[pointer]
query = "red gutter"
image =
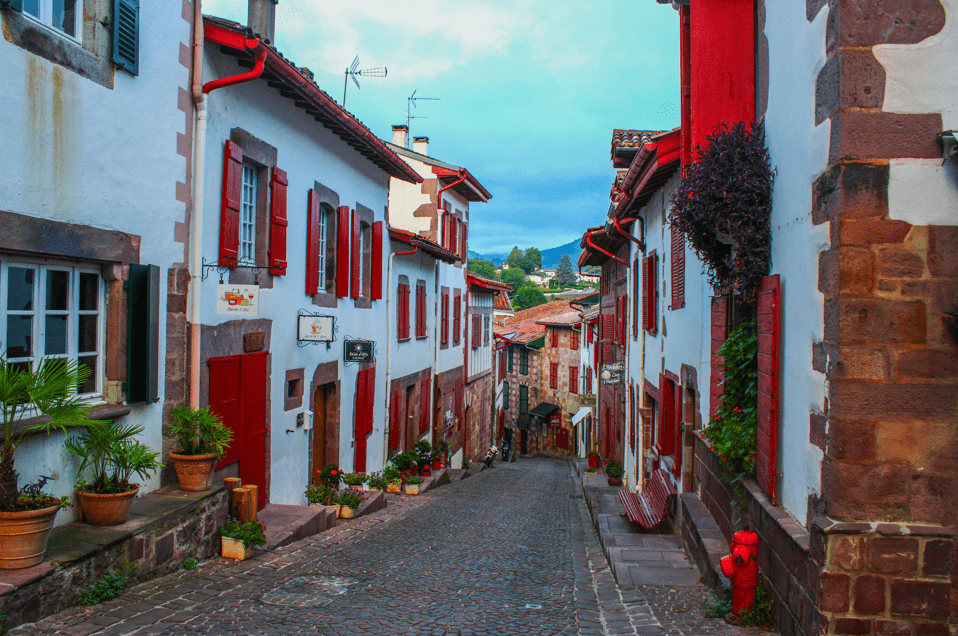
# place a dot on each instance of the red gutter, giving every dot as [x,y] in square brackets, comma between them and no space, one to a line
[414,249]
[628,235]
[588,239]
[462,177]
[226,37]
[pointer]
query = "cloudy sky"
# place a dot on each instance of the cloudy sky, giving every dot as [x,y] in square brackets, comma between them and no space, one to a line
[530,91]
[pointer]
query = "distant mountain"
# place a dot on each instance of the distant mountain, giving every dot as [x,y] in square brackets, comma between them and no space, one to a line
[551,256]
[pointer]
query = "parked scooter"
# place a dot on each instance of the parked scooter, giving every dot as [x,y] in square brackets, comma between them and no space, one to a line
[490,455]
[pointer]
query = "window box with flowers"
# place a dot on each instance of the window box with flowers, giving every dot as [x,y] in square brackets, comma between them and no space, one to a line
[238,538]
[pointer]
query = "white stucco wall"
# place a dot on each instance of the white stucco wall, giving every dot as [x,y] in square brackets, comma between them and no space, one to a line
[74,151]
[923,78]
[479,359]
[308,153]
[799,152]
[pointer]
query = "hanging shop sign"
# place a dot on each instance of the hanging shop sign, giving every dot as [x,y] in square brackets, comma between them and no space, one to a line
[612,373]
[587,400]
[237,300]
[315,329]
[359,351]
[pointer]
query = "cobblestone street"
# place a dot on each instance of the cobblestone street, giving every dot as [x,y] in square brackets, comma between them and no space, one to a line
[509,551]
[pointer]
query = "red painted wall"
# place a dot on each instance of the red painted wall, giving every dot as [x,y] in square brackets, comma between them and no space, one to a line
[722,47]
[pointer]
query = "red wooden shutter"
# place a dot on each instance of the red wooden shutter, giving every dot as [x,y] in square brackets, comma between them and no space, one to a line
[645,293]
[632,416]
[476,331]
[355,284]
[769,321]
[405,310]
[574,340]
[312,245]
[678,268]
[442,235]
[420,310]
[607,355]
[376,275]
[342,252]
[395,425]
[363,424]
[653,292]
[588,379]
[624,320]
[588,334]
[573,379]
[502,364]
[231,203]
[444,319]
[555,337]
[424,397]
[456,318]
[554,375]
[277,222]
[636,275]
[402,311]
[608,327]
[464,249]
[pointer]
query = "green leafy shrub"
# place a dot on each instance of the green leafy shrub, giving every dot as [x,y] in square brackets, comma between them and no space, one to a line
[391,474]
[355,479]
[405,461]
[320,494]
[199,431]
[331,475]
[350,497]
[107,588]
[760,613]
[190,563]
[414,481]
[732,431]
[613,467]
[377,480]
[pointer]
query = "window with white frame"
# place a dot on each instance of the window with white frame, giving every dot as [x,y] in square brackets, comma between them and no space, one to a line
[52,311]
[366,262]
[65,16]
[323,231]
[247,240]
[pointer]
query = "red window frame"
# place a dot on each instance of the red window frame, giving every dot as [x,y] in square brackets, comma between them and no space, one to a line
[444,319]
[555,337]
[553,375]
[573,379]
[402,312]
[421,309]
[456,317]
[574,340]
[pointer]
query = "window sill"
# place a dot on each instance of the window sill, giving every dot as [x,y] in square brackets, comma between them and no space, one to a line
[324,300]
[109,412]
[362,303]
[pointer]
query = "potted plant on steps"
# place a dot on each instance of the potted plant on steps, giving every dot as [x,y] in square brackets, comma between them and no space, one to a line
[349,500]
[376,482]
[413,484]
[320,495]
[355,480]
[594,458]
[41,399]
[115,456]
[613,470]
[203,439]
[393,479]
[406,462]
[238,539]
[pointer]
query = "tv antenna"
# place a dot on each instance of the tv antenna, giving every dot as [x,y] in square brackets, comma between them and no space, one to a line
[411,103]
[351,73]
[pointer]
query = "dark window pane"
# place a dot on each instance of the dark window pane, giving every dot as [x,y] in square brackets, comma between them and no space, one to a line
[64,16]
[89,296]
[58,290]
[19,336]
[90,385]
[21,366]
[20,292]
[55,339]
[87,339]
[32,7]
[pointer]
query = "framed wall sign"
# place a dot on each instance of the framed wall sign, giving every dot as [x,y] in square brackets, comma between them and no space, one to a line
[612,373]
[242,300]
[315,329]
[359,351]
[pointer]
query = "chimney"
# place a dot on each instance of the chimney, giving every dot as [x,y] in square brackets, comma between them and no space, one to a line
[261,19]
[401,136]
[421,145]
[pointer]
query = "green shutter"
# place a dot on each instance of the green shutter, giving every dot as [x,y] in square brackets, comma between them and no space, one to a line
[16,5]
[509,359]
[523,398]
[505,396]
[143,359]
[126,35]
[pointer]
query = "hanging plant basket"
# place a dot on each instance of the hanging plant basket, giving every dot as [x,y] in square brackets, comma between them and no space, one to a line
[723,206]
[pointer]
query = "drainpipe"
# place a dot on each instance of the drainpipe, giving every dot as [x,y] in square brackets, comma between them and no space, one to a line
[588,239]
[439,210]
[389,346]
[199,164]
[627,234]
[435,369]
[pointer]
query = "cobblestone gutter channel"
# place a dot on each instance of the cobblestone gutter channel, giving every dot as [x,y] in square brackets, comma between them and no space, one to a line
[509,551]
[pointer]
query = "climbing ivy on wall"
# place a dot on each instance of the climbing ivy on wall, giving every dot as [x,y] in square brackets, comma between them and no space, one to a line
[732,431]
[723,206]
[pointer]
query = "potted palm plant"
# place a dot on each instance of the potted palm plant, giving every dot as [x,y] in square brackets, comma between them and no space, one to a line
[42,399]
[114,456]
[203,439]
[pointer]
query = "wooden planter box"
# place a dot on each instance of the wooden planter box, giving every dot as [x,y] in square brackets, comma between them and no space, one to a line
[234,549]
[394,488]
[412,489]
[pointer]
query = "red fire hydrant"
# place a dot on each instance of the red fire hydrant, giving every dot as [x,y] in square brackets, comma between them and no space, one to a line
[741,568]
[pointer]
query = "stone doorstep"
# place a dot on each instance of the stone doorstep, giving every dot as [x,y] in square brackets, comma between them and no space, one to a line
[708,543]
[286,524]
[77,541]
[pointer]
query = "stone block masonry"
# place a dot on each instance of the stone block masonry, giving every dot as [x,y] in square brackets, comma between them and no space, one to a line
[165,528]
[886,578]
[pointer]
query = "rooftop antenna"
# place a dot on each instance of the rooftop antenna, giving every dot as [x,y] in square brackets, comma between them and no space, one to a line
[351,73]
[411,103]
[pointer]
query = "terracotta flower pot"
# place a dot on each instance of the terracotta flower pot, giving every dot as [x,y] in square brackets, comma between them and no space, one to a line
[615,481]
[234,549]
[195,472]
[24,535]
[106,510]
[345,512]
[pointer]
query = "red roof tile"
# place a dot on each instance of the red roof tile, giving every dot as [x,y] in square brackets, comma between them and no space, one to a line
[527,323]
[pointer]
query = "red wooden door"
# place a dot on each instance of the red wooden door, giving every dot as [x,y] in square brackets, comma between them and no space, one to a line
[238,395]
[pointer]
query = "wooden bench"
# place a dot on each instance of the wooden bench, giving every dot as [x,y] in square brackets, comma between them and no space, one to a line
[649,507]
